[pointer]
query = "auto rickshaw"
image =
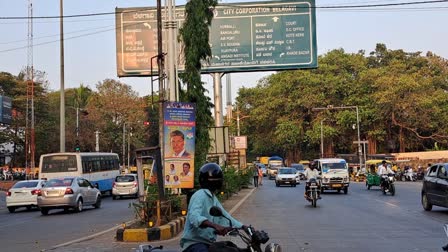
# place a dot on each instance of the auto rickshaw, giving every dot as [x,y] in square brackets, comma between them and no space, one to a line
[373,179]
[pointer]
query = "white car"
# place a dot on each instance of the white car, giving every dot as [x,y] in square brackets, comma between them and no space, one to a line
[125,185]
[23,194]
[286,176]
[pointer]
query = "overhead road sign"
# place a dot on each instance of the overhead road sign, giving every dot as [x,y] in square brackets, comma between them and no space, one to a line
[5,109]
[244,37]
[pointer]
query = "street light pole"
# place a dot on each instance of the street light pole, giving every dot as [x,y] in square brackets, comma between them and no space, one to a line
[329,107]
[124,146]
[322,138]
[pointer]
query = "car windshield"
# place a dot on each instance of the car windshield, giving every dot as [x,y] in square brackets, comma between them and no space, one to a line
[124,178]
[287,171]
[298,167]
[25,184]
[328,166]
[59,182]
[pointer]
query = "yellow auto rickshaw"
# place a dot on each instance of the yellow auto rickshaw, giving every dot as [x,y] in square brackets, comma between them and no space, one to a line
[373,179]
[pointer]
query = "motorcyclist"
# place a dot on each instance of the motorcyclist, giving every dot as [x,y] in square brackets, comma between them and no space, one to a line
[384,169]
[200,227]
[311,172]
[409,173]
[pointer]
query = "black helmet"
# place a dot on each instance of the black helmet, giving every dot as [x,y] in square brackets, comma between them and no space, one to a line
[211,177]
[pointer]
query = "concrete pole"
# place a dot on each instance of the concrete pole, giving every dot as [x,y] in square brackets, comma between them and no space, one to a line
[170,26]
[129,148]
[217,90]
[124,146]
[322,138]
[97,141]
[62,94]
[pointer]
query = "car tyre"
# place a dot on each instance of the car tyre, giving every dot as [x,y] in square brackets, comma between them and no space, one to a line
[28,208]
[277,184]
[114,197]
[44,211]
[11,209]
[79,206]
[345,190]
[98,202]
[425,203]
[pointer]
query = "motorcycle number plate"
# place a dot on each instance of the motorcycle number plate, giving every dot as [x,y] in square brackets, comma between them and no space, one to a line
[313,186]
[336,185]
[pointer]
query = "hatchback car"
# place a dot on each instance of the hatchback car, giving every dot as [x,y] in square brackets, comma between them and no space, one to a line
[286,176]
[435,187]
[23,194]
[125,185]
[66,193]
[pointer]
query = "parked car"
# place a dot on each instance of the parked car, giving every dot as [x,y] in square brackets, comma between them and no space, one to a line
[286,176]
[435,187]
[23,194]
[68,192]
[125,185]
[300,170]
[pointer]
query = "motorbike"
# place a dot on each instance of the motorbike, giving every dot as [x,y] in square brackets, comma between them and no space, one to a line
[387,184]
[409,176]
[252,238]
[313,191]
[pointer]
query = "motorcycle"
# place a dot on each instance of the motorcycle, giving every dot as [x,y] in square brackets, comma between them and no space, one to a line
[387,184]
[313,191]
[253,239]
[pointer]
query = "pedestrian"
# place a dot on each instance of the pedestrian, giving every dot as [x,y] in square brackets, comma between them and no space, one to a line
[260,176]
[255,174]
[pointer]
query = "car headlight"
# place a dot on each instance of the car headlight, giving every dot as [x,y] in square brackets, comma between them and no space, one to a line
[325,179]
[346,179]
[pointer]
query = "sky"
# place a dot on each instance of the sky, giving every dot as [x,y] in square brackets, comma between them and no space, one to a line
[90,53]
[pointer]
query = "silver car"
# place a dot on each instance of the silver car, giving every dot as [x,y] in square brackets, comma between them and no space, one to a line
[125,185]
[68,192]
[23,194]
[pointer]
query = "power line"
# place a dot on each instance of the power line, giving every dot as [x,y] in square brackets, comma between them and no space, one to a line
[242,6]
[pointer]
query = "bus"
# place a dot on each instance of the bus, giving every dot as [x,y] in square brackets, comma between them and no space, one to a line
[100,168]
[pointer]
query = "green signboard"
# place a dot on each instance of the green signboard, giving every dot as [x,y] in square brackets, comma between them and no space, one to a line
[244,37]
[263,36]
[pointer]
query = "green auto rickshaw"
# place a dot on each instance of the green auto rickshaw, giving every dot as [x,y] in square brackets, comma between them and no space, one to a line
[373,179]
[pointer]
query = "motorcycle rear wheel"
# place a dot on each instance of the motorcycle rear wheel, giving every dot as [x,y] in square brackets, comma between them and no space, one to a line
[392,189]
[314,199]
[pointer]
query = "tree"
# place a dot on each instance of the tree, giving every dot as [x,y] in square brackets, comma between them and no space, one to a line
[195,36]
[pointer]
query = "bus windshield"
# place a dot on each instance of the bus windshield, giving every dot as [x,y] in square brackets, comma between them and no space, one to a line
[59,163]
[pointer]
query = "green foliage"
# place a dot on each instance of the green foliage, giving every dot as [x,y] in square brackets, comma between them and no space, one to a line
[195,37]
[234,180]
[401,97]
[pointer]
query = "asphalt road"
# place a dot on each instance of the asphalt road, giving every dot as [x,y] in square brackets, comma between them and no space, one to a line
[30,231]
[362,220]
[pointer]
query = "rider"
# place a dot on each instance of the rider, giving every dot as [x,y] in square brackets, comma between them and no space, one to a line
[384,169]
[311,172]
[200,227]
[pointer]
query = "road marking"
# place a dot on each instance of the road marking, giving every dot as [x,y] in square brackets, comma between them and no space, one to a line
[88,237]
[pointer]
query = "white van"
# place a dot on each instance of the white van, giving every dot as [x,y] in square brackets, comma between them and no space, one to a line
[334,174]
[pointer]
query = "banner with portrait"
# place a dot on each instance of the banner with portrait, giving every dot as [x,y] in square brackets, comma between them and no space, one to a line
[179,133]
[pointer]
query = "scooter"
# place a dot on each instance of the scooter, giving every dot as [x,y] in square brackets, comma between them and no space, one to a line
[387,184]
[313,191]
[253,239]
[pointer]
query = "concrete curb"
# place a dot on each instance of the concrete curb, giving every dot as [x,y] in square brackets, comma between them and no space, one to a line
[164,232]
